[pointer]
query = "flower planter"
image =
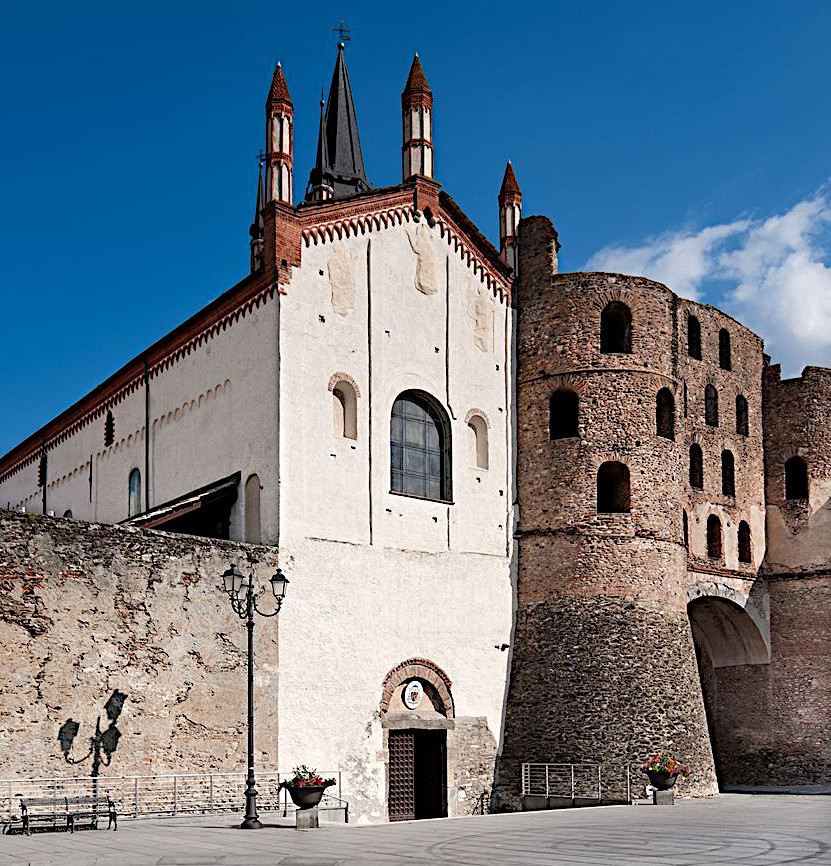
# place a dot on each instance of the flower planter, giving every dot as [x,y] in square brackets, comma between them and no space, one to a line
[661,781]
[307,796]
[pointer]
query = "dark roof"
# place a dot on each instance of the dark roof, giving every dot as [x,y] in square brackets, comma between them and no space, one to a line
[279,88]
[257,230]
[509,183]
[345,161]
[416,82]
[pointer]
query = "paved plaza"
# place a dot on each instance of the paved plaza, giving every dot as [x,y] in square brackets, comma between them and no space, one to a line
[729,829]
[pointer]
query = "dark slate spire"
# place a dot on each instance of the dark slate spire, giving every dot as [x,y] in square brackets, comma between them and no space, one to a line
[346,162]
[257,230]
[321,182]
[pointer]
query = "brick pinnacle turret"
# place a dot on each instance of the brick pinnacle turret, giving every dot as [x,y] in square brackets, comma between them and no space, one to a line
[510,213]
[279,144]
[417,117]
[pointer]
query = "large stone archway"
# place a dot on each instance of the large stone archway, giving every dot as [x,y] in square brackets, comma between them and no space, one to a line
[732,643]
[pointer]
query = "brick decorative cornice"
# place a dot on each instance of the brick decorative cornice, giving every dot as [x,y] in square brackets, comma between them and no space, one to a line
[331,220]
[227,309]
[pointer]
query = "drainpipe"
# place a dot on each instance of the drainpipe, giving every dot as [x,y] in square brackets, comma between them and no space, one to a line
[146,436]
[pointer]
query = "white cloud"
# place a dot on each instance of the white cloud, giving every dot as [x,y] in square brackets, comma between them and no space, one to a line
[773,275]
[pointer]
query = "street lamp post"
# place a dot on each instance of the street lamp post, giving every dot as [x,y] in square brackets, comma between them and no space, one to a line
[241,593]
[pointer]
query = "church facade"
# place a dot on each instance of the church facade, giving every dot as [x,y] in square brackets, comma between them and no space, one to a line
[515,505]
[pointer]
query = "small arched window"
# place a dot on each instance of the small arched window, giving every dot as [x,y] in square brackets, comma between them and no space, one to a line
[563,414]
[796,478]
[478,438]
[724,349]
[728,474]
[685,526]
[714,546]
[68,514]
[616,328]
[696,466]
[745,552]
[420,447]
[711,405]
[253,529]
[134,494]
[109,429]
[741,416]
[665,414]
[693,337]
[613,491]
[344,410]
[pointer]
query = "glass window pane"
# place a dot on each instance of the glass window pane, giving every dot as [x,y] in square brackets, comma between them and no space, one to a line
[396,456]
[414,460]
[434,463]
[414,432]
[396,426]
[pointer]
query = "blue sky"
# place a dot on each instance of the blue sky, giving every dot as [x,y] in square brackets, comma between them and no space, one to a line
[690,142]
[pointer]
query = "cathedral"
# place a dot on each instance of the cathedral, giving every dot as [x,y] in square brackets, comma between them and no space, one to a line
[539,516]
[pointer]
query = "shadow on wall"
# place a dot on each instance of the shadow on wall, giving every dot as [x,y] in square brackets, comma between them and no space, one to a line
[102,744]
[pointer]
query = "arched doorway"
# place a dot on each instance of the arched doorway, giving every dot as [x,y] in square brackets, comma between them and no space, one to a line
[732,649]
[417,718]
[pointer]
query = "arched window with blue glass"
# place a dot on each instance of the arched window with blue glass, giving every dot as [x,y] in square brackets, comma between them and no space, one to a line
[420,447]
[134,494]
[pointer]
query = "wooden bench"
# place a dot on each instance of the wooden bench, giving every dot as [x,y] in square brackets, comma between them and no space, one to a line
[63,812]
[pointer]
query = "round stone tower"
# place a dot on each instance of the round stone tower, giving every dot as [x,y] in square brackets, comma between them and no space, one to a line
[603,662]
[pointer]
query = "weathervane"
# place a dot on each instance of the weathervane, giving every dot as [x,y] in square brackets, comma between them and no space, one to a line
[342,31]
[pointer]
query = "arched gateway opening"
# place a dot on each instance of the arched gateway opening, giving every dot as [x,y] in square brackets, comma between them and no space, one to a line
[416,715]
[732,645]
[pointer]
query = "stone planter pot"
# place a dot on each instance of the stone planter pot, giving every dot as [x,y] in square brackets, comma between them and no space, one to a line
[306,797]
[661,781]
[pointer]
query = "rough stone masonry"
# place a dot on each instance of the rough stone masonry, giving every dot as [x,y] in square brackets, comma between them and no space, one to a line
[101,621]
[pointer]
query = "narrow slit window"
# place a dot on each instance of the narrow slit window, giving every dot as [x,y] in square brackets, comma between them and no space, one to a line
[741,416]
[696,467]
[478,428]
[665,414]
[714,545]
[728,474]
[685,527]
[134,494]
[711,406]
[109,429]
[724,359]
[344,411]
[563,414]
[745,551]
[693,337]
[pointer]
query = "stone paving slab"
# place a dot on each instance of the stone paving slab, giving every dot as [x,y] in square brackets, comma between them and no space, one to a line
[760,830]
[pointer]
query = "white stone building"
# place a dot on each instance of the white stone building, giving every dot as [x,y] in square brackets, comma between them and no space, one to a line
[349,401]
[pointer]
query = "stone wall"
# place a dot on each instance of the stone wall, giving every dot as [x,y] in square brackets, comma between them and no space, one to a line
[603,667]
[99,621]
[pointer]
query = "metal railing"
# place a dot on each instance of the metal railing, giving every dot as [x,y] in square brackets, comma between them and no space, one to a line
[166,795]
[576,781]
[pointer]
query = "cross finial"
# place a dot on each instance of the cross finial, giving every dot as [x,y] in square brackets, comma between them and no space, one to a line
[261,158]
[342,31]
